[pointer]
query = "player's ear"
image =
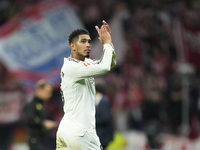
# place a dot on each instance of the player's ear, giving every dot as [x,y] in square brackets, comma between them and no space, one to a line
[72,45]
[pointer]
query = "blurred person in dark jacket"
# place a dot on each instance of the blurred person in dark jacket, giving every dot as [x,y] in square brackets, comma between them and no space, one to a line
[35,116]
[103,115]
[152,112]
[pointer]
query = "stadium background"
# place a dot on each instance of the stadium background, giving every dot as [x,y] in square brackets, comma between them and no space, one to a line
[154,89]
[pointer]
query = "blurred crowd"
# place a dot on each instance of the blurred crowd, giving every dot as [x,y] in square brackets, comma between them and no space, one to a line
[10,8]
[145,89]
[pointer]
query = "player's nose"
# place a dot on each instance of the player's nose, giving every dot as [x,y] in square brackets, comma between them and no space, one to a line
[88,44]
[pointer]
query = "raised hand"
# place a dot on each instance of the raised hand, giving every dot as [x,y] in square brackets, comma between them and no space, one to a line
[107,26]
[104,33]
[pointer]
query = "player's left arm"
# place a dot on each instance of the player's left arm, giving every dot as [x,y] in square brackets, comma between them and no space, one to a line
[113,63]
[105,37]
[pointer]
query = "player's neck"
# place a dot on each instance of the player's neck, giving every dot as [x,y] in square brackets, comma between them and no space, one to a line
[78,57]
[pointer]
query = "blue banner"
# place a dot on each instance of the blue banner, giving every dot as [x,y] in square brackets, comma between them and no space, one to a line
[35,42]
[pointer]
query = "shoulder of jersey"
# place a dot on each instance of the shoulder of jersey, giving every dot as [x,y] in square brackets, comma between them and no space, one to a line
[73,60]
[86,63]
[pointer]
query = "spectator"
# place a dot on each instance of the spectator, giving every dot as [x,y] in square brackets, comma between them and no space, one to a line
[151,111]
[35,119]
[103,115]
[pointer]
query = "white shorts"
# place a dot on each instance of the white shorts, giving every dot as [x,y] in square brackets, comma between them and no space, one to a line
[89,141]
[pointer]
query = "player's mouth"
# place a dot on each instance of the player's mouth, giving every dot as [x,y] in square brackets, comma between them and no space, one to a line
[87,50]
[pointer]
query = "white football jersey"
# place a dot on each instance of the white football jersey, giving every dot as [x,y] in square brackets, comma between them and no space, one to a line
[78,91]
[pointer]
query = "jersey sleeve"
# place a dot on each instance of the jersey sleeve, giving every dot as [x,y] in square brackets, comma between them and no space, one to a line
[85,70]
[113,63]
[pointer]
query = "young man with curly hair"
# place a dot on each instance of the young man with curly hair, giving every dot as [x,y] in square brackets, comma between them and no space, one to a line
[77,127]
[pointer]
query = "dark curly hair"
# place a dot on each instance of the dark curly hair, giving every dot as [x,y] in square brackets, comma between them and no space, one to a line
[74,35]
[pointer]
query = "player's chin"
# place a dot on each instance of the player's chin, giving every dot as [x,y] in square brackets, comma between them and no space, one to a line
[87,56]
